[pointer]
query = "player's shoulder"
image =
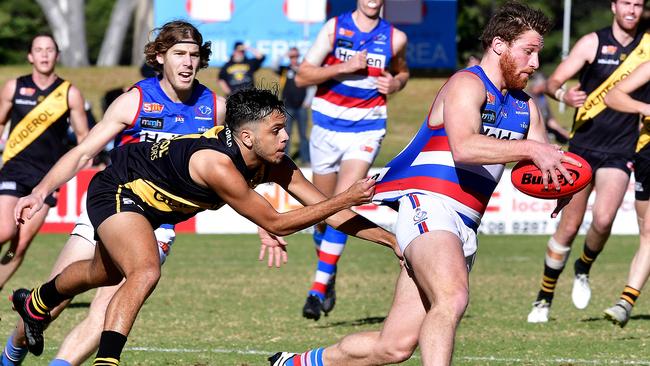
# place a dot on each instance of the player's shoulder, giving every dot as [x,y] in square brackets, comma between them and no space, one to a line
[9,87]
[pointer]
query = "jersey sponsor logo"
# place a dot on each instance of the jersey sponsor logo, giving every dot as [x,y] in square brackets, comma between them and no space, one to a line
[345,43]
[380,39]
[608,49]
[151,136]
[26,91]
[372,59]
[346,32]
[520,104]
[609,61]
[204,110]
[152,123]
[179,119]
[8,186]
[25,101]
[491,98]
[488,116]
[500,133]
[228,137]
[152,107]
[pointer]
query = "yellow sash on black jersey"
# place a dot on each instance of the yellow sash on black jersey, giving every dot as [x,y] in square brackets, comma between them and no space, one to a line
[595,102]
[37,121]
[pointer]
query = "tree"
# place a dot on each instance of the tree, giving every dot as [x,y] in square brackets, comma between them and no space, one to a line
[109,55]
[67,20]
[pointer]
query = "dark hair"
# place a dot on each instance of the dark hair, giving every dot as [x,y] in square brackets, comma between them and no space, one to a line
[237,44]
[31,43]
[250,105]
[513,19]
[171,33]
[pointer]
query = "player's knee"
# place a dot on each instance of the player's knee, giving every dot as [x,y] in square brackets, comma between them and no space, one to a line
[452,305]
[397,350]
[602,224]
[146,277]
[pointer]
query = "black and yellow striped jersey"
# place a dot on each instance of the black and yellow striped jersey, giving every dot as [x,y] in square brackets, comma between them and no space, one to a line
[158,173]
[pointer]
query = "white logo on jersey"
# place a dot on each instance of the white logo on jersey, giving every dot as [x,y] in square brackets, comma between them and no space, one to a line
[501,134]
[372,59]
[156,136]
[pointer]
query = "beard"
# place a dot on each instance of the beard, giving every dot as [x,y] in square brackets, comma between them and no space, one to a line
[511,75]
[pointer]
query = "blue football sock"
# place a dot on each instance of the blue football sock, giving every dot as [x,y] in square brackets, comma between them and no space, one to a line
[12,355]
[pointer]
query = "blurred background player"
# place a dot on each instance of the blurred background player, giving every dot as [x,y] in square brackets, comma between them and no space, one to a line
[602,136]
[357,60]
[173,103]
[296,100]
[40,106]
[537,89]
[239,72]
[620,98]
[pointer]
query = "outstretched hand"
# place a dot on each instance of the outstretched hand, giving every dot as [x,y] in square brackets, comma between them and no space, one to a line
[361,191]
[274,245]
[27,207]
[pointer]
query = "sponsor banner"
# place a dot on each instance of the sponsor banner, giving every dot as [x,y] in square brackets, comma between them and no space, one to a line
[509,211]
[429,24]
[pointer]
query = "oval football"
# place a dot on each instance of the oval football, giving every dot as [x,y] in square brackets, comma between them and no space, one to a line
[527,178]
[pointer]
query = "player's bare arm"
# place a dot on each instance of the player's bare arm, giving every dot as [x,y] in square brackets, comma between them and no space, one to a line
[583,52]
[312,73]
[465,92]
[209,168]
[396,78]
[221,110]
[118,116]
[619,97]
[293,181]
[78,117]
[6,101]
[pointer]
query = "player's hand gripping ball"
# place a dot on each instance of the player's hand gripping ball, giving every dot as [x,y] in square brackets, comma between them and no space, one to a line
[527,178]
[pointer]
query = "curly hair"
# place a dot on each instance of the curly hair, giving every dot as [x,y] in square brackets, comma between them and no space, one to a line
[250,105]
[171,33]
[512,20]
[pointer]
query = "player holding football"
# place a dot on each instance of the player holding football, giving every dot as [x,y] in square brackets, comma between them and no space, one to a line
[602,136]
[441,183]
[621,99]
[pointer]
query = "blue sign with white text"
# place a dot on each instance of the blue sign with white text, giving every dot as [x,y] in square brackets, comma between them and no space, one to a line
[273,26]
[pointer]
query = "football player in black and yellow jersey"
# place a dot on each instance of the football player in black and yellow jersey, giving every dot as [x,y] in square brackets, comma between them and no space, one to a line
[620,98]
[171,180]
[601,135]
[41,106]
[171,104]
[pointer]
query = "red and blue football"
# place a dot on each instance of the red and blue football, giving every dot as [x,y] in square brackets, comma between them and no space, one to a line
[527,178]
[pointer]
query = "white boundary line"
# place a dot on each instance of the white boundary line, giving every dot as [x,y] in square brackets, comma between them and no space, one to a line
[506,360]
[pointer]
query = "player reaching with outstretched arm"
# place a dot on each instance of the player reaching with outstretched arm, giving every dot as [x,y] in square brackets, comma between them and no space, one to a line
[174,103]
[441,183]
[169,181]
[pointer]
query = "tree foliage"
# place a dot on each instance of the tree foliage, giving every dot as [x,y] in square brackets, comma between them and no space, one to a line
[19,22]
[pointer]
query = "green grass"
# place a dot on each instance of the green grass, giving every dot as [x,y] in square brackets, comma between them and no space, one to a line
[223,307]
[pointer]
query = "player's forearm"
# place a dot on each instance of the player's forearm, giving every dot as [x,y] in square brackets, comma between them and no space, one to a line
[292,221]
[623,102]
[403,78]
[64,169]
[315,75]
[479,149]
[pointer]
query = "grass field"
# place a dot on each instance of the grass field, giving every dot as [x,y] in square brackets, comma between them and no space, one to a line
[217,305]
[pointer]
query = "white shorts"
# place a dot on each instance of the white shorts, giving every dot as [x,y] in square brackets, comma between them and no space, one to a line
[165,236]
[328,148]
[421,213]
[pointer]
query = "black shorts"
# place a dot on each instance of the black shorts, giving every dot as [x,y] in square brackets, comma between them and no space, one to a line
[20,183]
[600,159]
[642,177]
[107,197]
